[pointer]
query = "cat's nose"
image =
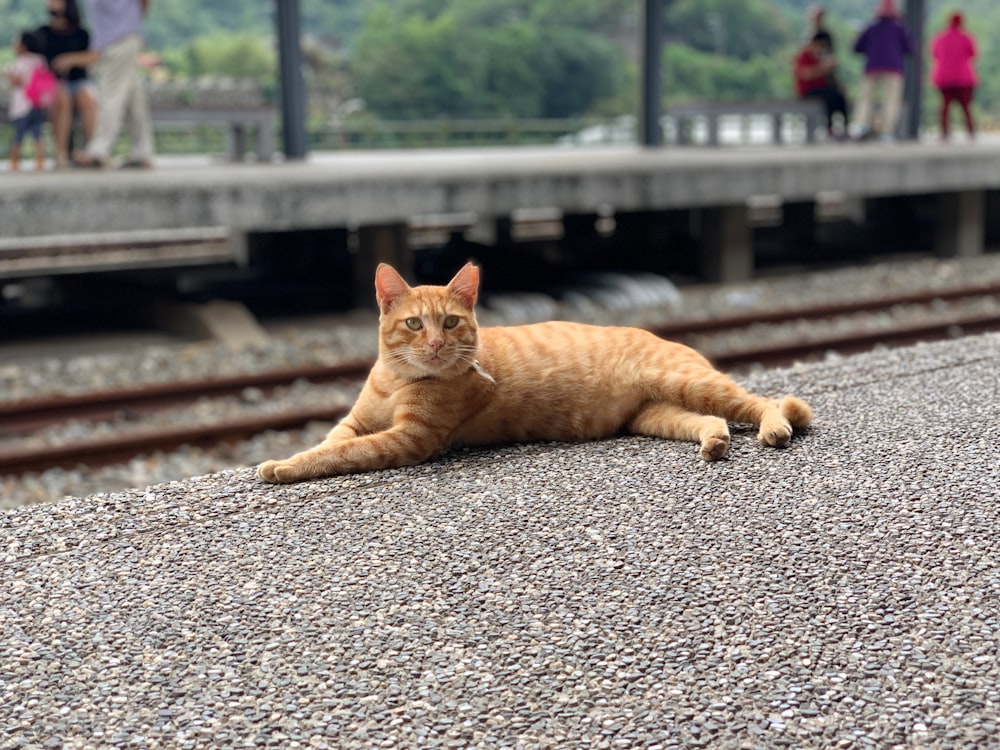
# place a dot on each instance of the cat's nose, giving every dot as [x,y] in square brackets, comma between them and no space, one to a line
[436,346]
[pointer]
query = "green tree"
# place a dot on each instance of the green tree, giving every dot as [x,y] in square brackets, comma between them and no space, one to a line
[735,28]
[420,66]
[578,70]
[514,85]
[240,56]
[690,73]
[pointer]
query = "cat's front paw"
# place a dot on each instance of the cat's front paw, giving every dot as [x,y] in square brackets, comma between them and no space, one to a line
[715,447]
[276,471]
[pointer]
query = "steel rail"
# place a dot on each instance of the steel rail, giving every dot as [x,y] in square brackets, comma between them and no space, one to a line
[779,355]
[104,451]
[816,312]
[20,417]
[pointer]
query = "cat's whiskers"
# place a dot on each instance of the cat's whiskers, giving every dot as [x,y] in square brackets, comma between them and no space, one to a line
[406,358]
[397,355]
[419,357]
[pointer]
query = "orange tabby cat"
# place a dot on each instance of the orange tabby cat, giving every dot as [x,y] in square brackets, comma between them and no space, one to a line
[440,381]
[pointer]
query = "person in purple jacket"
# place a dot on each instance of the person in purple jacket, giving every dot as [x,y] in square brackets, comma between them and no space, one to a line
[885,43]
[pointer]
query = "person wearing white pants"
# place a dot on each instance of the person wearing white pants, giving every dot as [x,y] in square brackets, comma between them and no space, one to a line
[117,43]
[887,88]
[885,43]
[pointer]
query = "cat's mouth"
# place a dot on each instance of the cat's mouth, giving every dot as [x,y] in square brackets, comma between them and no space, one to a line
[436,361]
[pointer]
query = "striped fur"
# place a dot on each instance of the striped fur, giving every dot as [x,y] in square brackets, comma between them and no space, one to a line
[441,381]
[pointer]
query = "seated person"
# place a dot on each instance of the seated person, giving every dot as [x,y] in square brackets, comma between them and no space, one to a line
[65,38]
[814,77]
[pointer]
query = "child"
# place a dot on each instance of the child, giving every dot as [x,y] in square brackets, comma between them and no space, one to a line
[27,110]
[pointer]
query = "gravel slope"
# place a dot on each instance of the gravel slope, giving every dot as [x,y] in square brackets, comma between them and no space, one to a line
[842,592]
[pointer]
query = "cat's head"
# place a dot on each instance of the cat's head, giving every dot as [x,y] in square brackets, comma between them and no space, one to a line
[427,330]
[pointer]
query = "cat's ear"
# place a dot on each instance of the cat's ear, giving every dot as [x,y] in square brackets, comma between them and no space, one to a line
[465,285]
[389,286]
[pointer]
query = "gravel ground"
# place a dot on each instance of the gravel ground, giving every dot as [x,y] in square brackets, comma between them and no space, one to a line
[840,593]
[635,301]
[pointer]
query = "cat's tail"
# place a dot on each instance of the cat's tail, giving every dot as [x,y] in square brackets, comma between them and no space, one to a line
[796,411]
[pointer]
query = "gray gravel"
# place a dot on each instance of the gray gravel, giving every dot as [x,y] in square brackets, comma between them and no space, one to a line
[843,592]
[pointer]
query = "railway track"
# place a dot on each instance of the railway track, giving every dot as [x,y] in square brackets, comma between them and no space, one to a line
[953,322]
[24,418]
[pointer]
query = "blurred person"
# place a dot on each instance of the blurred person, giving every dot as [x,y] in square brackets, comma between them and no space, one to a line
[32,94]
[816,27]
[819,33]
[953,74]
[116,51]
[815,78]
[66,35]
[835,97]
[885,43]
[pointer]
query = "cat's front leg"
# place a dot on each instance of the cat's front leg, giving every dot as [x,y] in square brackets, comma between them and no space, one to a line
[314,463]
[395,447]
[306,464]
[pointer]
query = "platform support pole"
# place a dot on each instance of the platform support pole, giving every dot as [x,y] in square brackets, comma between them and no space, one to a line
[961,224]
[293,97]
[726,244]
[380,244]
[651,134]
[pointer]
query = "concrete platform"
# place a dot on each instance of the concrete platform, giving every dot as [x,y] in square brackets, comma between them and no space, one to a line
[382,191]
[385,187]
[843,592]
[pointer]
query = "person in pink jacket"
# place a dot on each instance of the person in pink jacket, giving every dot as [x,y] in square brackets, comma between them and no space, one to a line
[953,73]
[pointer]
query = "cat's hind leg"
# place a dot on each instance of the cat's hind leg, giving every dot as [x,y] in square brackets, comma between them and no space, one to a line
[659,419]
[708,391]
[796,411]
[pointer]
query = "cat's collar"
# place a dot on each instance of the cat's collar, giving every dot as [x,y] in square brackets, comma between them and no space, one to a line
[479,369]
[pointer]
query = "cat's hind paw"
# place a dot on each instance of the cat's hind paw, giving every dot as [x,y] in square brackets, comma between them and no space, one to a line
[796,411]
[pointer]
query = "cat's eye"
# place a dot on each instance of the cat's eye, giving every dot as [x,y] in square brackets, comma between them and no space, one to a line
[414,324]
[451,321]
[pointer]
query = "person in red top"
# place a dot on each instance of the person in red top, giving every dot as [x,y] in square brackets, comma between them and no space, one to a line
[953,73]
[814,77]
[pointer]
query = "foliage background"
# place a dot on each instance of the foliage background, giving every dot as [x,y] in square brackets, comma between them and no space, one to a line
[405,59]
